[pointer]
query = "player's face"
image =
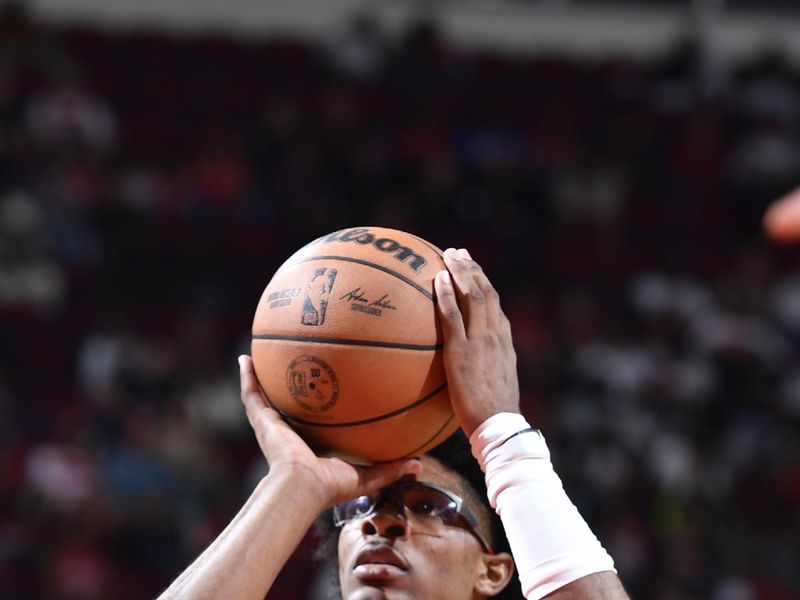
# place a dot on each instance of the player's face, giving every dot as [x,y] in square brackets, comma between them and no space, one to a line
[396,554]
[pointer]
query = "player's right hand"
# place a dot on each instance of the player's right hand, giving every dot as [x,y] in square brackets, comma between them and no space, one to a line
[479,355]
[333,480]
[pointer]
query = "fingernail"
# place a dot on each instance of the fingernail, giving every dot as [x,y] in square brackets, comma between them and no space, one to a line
[465,254]
[444,277]
[241,362]
[454,254]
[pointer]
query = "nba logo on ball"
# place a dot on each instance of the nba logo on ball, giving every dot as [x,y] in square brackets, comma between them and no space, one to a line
[317,293]
[354,361]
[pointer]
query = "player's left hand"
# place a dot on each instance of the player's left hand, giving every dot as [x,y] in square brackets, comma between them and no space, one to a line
[332,480]
[479,355]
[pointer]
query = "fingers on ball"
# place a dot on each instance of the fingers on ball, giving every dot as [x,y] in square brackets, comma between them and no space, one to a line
[462,270]
[488,294]
[452,319]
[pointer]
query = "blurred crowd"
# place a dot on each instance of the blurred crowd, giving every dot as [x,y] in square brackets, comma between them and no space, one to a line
[151,183]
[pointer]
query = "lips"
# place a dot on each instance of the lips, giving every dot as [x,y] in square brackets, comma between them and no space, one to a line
[379,554]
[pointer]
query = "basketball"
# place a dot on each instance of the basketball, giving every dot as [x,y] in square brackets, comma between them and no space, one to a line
[782,219]
[347,345]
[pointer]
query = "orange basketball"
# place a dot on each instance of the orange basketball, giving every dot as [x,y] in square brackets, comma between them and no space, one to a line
[782,218]
[348,348]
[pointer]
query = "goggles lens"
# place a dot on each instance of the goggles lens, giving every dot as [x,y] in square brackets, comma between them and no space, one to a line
[423,500]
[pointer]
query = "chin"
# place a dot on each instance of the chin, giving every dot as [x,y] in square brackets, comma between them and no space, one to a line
[378,590]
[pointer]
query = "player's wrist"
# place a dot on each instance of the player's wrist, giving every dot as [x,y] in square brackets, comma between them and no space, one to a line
[480,421]
[304,484]
[472,414]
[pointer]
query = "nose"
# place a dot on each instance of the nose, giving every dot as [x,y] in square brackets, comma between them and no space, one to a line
[387,522]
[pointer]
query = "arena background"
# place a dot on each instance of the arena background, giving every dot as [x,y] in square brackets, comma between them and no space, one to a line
[608,164]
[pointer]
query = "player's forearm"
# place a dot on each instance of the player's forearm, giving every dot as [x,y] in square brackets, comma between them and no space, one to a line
[244,560]
[557,554]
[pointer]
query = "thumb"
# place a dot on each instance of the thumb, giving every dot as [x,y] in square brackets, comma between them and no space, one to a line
[374,477]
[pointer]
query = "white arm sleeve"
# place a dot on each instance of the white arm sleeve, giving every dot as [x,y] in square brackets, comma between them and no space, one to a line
[551,543]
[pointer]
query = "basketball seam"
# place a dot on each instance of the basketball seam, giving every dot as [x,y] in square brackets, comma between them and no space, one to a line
[388,415]
[370,343]
[366,263]
[436,250]
[433,437]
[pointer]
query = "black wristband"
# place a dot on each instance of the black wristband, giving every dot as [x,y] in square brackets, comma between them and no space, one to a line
[513,435]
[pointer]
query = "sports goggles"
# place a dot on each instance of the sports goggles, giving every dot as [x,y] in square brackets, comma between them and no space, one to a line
[427,503]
